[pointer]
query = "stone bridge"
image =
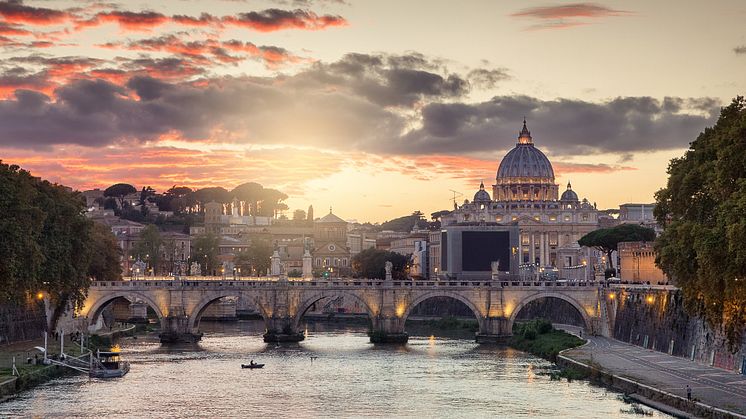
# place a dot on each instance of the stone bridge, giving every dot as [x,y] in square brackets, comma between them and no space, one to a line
[180,303]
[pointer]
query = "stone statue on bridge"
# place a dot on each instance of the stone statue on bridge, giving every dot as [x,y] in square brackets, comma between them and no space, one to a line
[388,267]
[195,269]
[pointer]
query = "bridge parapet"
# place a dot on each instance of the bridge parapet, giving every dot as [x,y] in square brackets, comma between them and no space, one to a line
[180,301]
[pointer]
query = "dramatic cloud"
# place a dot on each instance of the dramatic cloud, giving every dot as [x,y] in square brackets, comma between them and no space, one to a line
[133,21]
[16,12]
[163,167]
[268,20]
[276,19]
[329,109]
[13,30]
[204,52]
[568,15]
[385,80]
[565,127]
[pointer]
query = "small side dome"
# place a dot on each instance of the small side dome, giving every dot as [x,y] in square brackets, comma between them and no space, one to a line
[569,194]
[482,195]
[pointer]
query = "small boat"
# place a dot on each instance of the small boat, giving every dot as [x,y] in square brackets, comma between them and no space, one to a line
[108,365]
[252,366]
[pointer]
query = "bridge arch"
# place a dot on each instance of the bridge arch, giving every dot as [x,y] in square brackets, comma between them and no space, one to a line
[550,294]
[102,302]
[456,296]
[320,295]
[196,314]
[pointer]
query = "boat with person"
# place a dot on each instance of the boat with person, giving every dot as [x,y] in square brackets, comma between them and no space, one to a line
[108,365]
[252,366]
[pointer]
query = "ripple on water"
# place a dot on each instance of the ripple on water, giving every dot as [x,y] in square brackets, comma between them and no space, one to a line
[430,377]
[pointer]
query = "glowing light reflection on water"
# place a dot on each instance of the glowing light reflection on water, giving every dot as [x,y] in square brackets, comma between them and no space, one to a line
[429,377]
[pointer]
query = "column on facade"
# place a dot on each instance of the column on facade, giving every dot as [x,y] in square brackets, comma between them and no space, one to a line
[520,247]
[531,248]
[542,256]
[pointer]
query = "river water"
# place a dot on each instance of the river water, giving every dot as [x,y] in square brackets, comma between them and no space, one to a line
[429,377]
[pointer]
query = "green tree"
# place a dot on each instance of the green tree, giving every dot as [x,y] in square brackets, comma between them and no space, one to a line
[371,263]
[255,258]
[702,211]
[607,239]
[106,255]
[119,191]
[249,194]
[46,240]
[299,215]
[207,195]
[405,223]
[205,252]
[272,202]
[148,248]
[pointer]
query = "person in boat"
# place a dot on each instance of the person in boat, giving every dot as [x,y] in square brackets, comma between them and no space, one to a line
[252,362]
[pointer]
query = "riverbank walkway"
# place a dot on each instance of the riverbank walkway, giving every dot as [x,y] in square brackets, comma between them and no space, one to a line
[711,386]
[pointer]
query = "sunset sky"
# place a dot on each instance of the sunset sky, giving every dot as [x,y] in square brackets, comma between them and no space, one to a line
[377,108]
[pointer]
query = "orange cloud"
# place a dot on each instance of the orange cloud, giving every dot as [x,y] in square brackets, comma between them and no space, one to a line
[13,30]
[568,15]
[162,167]
[133,21]
[19,13]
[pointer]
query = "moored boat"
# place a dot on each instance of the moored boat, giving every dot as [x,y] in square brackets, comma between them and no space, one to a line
[108,365]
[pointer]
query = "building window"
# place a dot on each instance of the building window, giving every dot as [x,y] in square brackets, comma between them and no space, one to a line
[318,261]
[514,218]
[585,217]
[536,218]
[552,218]
[499,218]
[567,218]
[524,239]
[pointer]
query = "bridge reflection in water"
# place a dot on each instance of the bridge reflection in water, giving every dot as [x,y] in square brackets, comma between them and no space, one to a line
[179,303]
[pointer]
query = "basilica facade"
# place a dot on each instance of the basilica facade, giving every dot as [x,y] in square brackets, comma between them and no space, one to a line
[525,195]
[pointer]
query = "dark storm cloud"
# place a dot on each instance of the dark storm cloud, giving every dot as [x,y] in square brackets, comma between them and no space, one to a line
[740,50]
[387,80]
[363,102]
[566,127]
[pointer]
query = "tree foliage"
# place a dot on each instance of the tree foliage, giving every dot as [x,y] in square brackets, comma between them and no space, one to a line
[119,191]
[371,263]
[607,239]
[46,243]
[702,248]
[205,252]
[148,248]
[255,259]
[106,255]
[405,223]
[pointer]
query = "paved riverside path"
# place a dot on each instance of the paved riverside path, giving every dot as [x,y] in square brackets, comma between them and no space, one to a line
[712,386]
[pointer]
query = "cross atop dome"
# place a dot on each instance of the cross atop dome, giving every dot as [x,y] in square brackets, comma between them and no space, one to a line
[524,137]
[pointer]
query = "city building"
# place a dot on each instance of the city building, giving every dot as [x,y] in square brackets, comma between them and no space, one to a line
[330,252]
[637,263]
[525,194]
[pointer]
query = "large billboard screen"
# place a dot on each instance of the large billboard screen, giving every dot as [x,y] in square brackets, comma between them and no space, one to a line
[480,248]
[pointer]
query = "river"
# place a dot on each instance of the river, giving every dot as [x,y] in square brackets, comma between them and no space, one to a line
[429,377]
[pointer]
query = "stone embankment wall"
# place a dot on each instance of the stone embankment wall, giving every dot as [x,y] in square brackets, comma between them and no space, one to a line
[22,322]
[656,319]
